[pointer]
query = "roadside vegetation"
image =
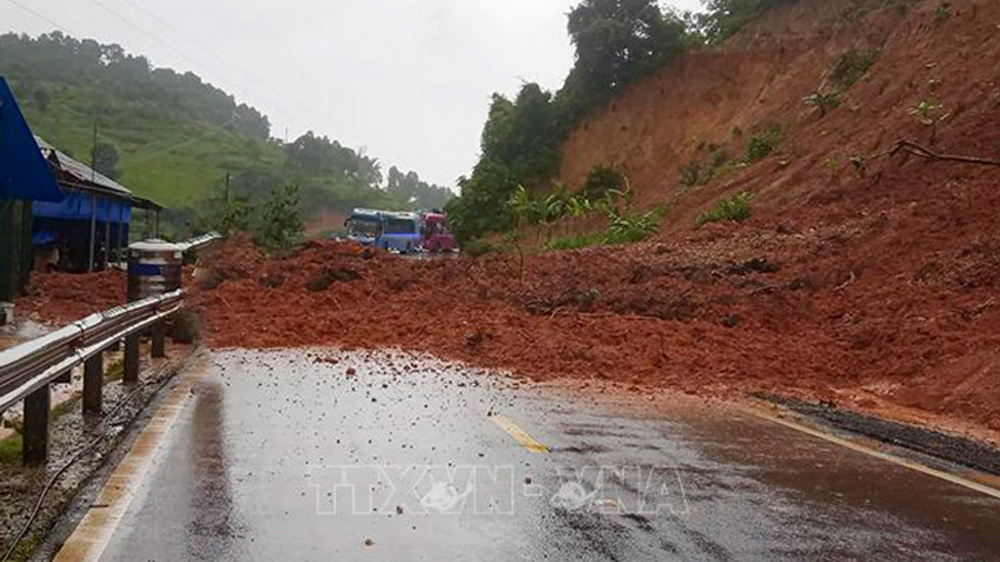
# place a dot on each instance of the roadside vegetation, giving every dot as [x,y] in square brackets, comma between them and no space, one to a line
[605,194]
[617,42]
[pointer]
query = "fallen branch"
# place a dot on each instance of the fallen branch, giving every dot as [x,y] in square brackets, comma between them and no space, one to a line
[910,147]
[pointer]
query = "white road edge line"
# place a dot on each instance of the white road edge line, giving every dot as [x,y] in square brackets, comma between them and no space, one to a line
[912,465]
[93,533]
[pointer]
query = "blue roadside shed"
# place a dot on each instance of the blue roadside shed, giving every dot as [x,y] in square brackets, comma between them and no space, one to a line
[89,227]
[25,177]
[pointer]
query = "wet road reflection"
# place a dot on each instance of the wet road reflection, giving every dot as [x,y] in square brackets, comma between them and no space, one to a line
[330,455]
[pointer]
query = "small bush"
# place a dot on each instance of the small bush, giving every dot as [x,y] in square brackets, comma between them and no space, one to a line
[478,247]
[600,181]
[628,228]
[852,66]
[824,101]
[702,172]
[764,142]
[942,12]
[736,209]
[898,6]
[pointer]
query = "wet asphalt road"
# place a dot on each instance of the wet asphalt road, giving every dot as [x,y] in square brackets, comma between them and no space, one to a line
[279,457]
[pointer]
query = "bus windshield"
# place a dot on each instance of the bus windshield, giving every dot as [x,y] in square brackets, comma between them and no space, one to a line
[363,227]
[400,226]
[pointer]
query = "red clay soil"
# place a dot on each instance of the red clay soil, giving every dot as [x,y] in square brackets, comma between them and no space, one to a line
[59,298]
[878,290]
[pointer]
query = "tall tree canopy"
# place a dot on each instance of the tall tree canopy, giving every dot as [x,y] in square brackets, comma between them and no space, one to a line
[616,42]
[419,194]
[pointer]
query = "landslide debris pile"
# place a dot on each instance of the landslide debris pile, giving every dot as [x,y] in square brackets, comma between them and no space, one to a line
[719,312]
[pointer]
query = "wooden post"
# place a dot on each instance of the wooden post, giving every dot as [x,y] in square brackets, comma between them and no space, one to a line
[132,358]
[107,233]
[11,248]
[159,345]
[93,384]
[27,248]
[36,426]
[93,233]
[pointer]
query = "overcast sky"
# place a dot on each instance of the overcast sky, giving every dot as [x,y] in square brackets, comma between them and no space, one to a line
[407,80]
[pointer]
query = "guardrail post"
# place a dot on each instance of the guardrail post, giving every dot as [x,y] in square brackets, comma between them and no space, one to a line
[132,358]
[93,384]
[159,345]
[36,426]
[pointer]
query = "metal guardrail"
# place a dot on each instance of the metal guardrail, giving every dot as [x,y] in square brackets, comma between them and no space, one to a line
[199,242]
[31,365]
[27,370]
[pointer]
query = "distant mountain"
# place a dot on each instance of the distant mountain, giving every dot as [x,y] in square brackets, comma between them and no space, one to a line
[174,138]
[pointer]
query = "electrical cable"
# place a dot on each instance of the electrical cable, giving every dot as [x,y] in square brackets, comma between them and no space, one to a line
[40,16]
[192,60]
[76,457]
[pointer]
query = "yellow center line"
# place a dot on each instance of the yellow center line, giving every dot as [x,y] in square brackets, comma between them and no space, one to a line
[906,463]
[519,434]
[91,536]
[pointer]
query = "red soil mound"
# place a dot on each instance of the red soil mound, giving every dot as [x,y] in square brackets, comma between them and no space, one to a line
[59,298]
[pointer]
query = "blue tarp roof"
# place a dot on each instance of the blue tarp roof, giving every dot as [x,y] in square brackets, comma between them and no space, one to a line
[77,206]
[24,173]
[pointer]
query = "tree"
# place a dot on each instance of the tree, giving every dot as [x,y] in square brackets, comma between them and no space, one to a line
[279,226]
[105,159]
[419,194]
[617,41]
[723,18]
[520,146]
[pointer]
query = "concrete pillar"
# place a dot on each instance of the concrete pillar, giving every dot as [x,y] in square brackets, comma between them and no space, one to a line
[132,358]
[36,426]
[93,384]
[159,345]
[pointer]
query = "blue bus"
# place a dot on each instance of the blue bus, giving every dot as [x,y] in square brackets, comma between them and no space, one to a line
[398,232]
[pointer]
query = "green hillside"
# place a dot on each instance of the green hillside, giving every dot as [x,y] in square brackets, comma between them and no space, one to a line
[173,138]
[171,159]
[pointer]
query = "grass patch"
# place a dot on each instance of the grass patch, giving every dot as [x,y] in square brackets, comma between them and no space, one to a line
[733,209]
[10,449]
[115,371]
[852,66]
[65,407]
